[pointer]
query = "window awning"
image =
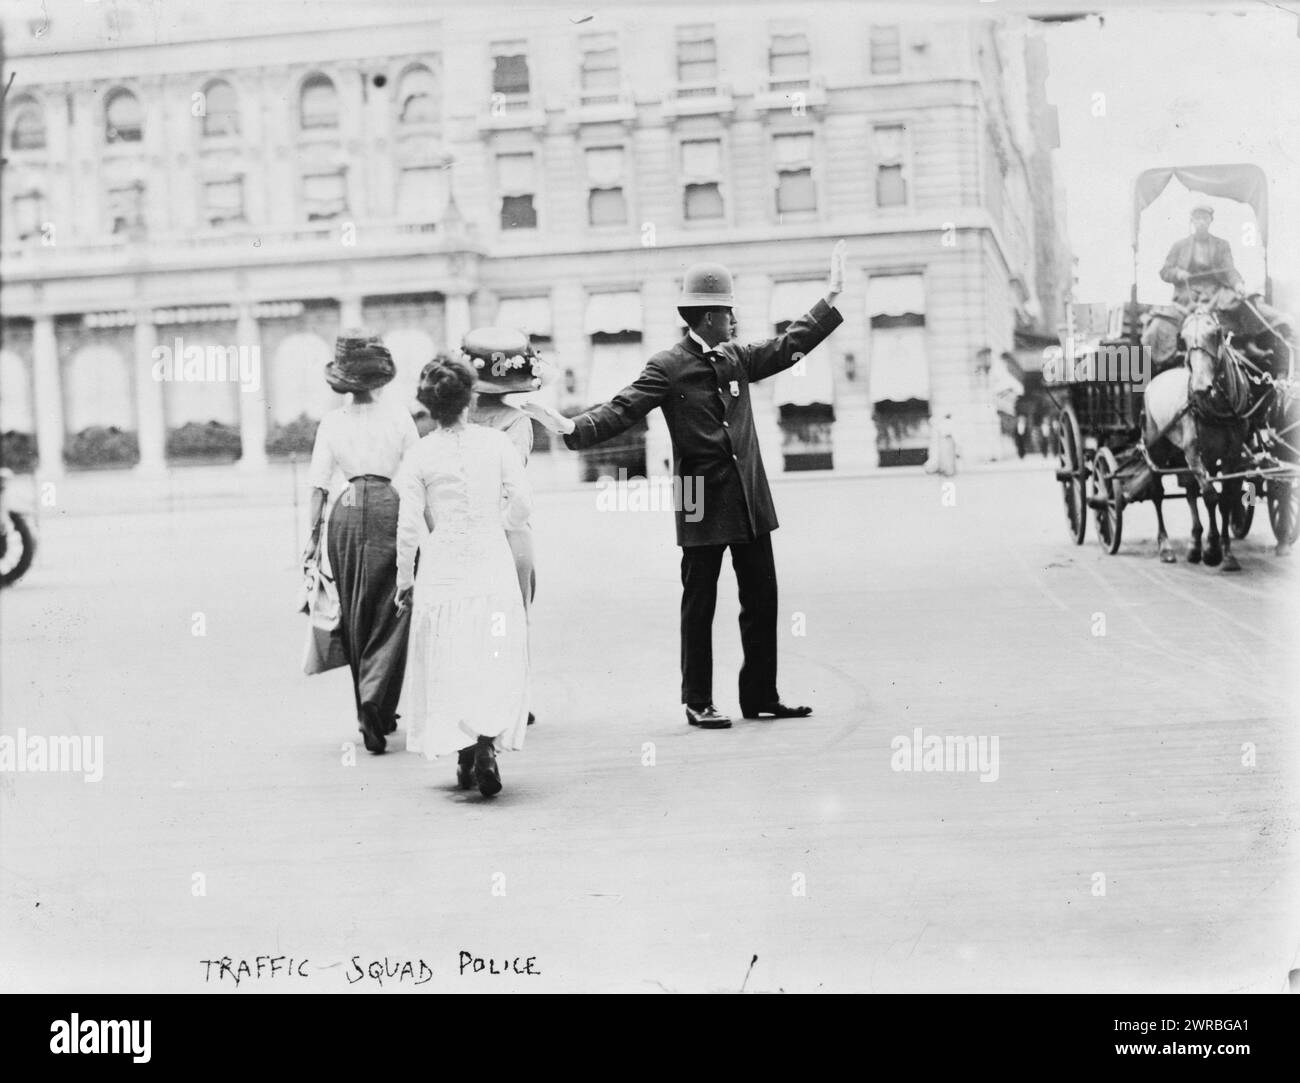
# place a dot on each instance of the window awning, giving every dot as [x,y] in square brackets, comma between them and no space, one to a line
[531,315]
[790,300]
[896,295]
[612,313]
[808,382]
[900,369]
[614,365]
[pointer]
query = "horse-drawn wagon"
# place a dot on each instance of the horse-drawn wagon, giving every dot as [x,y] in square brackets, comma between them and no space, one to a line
[1204,391]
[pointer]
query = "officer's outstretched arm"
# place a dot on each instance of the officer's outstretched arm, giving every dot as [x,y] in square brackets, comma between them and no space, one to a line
[764,359]
[624,410]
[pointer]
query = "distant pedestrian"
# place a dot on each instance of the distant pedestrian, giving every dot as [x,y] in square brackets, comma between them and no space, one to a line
[942,458]
[365,441]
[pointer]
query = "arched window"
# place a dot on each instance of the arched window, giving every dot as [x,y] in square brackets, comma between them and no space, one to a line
[28,131]
[221,107]
[123,120]
[417,97]
[318,104]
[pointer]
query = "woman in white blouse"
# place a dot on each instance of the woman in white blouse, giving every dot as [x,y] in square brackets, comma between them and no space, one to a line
[364,441]
[466,687]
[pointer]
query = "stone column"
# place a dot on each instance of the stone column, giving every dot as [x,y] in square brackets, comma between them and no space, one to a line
[349,312]
[85,136]
[47,392]
[660,320]
[149,407]
[457,321]
[159,192]
[572,346]
[252,391]
[381,150]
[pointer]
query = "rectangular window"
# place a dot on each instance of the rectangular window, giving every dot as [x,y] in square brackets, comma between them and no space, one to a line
[606,205]
[788,61]
[27,214]
[702,201]
[795,191]
[421,194]
[126,207]
[697,55]
[324,196]
[509,68]
[600,69]
[886,51]
[223,201]
[518,212]
[889,147]
[517,184]
[702,169]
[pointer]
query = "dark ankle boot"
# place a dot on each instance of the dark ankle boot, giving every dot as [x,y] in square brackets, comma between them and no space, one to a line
[465,768]
[485,768]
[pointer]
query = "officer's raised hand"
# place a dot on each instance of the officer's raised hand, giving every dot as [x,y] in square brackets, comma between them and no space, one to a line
[838,255]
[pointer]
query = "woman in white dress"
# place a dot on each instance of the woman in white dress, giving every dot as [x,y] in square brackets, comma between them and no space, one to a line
[466,688]
[364,441]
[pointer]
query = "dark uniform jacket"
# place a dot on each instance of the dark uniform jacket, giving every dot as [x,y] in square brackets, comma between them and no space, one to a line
[705,401]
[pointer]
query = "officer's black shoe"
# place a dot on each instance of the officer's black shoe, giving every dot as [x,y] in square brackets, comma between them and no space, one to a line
[776,710]
[706,716]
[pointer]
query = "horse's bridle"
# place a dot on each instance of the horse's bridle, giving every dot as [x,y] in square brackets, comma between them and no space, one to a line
[1233,407]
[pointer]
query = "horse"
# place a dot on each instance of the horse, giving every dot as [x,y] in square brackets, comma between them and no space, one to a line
[1199,411]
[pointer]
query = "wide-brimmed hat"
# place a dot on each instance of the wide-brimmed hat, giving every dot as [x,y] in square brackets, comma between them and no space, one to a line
[503,360]
[361,363]
[706,285]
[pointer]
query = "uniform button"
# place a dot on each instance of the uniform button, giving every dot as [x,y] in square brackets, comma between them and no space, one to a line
[726,425]
[734,459]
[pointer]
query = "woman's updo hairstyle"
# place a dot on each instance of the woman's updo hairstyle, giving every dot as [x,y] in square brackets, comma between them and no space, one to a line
[446,385]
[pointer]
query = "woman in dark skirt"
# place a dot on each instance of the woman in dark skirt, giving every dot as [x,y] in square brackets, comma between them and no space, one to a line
[364,441]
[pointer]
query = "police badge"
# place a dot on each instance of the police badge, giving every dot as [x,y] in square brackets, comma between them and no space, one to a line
[735,389]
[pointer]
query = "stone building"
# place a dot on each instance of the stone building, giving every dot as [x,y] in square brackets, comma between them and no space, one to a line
[174,204]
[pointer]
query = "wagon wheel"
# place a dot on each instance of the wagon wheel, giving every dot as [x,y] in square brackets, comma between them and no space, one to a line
[1284,510]
[1072,473]
[1244,513]
[1107,499]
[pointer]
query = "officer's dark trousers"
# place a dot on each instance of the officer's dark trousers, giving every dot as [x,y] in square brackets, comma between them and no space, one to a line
[756,578]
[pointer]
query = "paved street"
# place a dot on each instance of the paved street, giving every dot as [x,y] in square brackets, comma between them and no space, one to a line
[1124,844]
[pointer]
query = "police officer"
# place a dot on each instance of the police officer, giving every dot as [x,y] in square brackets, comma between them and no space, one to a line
[702,386]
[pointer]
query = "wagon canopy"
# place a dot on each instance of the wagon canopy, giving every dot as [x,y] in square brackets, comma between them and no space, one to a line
[1244,183]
